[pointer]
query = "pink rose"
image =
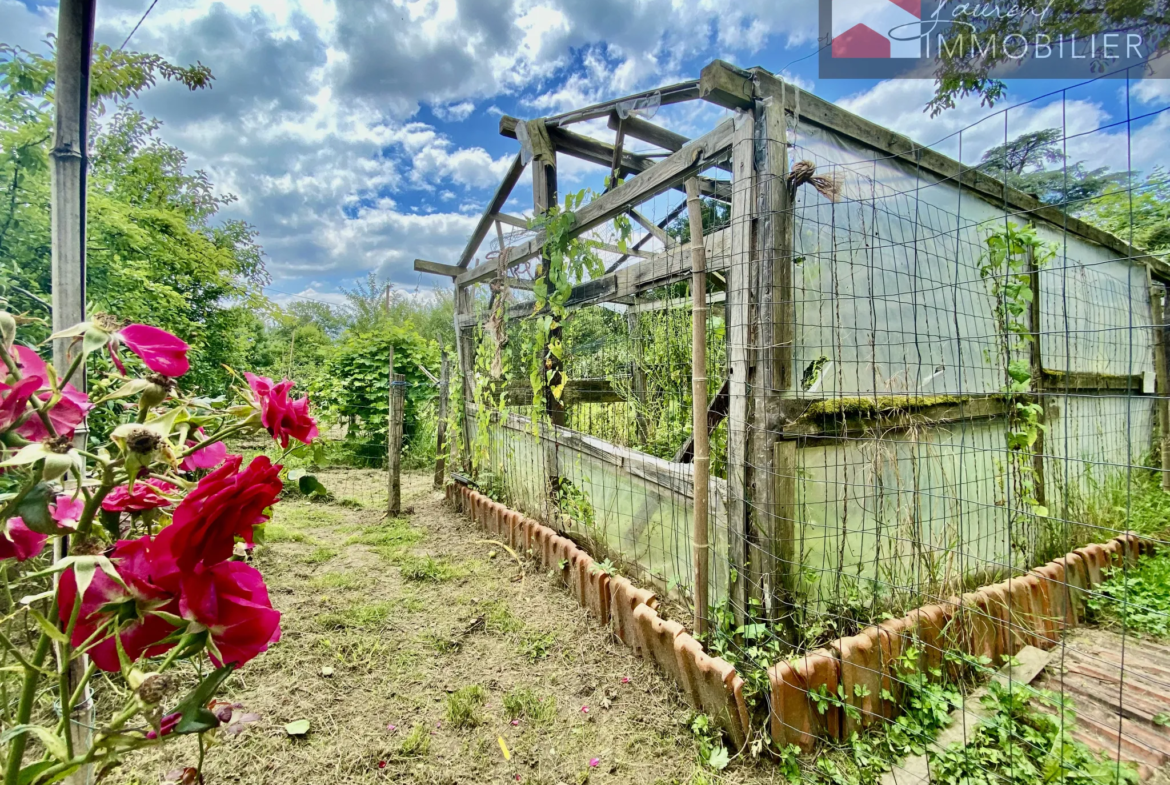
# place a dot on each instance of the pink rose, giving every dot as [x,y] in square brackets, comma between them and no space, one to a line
[146,495]
[160,351]
[231,601]
[282,416]
[65,415]
[207,458]
[19,542]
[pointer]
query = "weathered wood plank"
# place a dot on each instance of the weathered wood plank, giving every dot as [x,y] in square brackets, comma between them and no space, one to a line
[449,270]
[511,220]
[576,391]
[866,416]
[739,289]
[494,206]
[671,94]
[716,413]
[666,219]
[652,228]
[725,85]
[1161,381]
[693,158]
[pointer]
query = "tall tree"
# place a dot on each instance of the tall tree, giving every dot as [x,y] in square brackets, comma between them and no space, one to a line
[1036,163]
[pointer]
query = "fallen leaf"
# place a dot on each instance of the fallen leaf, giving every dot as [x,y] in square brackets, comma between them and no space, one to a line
[297,728]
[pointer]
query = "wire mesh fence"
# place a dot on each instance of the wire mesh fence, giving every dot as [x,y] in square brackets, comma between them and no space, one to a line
[929,396]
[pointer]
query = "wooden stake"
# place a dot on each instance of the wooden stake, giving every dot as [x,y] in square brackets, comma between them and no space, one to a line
[441,426]
[394,440]
[702,459]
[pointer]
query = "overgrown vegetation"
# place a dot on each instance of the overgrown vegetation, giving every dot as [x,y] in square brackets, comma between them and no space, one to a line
[1135,598]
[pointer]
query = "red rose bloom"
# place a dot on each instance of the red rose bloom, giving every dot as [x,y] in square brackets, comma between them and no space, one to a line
[146,495]
[231,601]
[144,570]
[19,542]
[226,504]
[15,400]
[282,416]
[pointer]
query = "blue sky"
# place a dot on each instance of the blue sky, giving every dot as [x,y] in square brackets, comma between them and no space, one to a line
[359,134]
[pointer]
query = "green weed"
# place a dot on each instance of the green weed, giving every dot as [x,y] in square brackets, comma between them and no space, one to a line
[417,743]
[320,555]
[396,532]
[1136,598]
[525,703]
[275,532]
[371,616]
[461,708]
[537,645]
[336,580]
[499,617]
[428,569]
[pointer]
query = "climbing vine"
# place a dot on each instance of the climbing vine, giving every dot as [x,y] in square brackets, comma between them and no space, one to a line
[1014,256]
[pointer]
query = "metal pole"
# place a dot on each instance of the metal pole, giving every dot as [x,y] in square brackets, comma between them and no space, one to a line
[68,183]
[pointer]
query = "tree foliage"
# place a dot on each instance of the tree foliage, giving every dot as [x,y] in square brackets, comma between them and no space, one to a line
[157,250]
[1036,163]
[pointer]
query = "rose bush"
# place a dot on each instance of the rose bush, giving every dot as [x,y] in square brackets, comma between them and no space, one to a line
[150,575]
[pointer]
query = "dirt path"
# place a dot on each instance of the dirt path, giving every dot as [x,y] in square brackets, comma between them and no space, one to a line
[413,649]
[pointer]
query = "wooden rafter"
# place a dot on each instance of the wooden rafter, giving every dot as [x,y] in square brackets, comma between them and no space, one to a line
[602,153]
[490,214]
[694,158]
[654,134]
[671,94]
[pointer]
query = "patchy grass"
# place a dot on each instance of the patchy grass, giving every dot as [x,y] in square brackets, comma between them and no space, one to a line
[320,555]
[275,532]
[462,706]
[417,743]
[526,703]
[337,580]
[441,643]
[498,617]
[536,646]
[428,569]
[355,649]
[370,616]
[305,516]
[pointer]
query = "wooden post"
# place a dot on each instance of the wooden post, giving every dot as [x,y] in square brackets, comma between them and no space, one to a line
[739,290]
[772,375]
[1161,381]
[702,461]
[638,373]
[466,351]
[397,399]
[441,425]
[544,197]
[68,217]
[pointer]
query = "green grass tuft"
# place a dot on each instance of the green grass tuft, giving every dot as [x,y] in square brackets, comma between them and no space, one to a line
[371,616]
[336,580]
[537,645]
[428,569]
[461,708]
[525,703]
[417,743]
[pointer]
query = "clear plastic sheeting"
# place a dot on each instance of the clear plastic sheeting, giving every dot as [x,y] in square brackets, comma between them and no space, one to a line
[645,106]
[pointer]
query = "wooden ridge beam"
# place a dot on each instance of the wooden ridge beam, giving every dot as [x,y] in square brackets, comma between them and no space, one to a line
[601,153]
[503,191]
[671,94]
[654,134]
[692,159]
